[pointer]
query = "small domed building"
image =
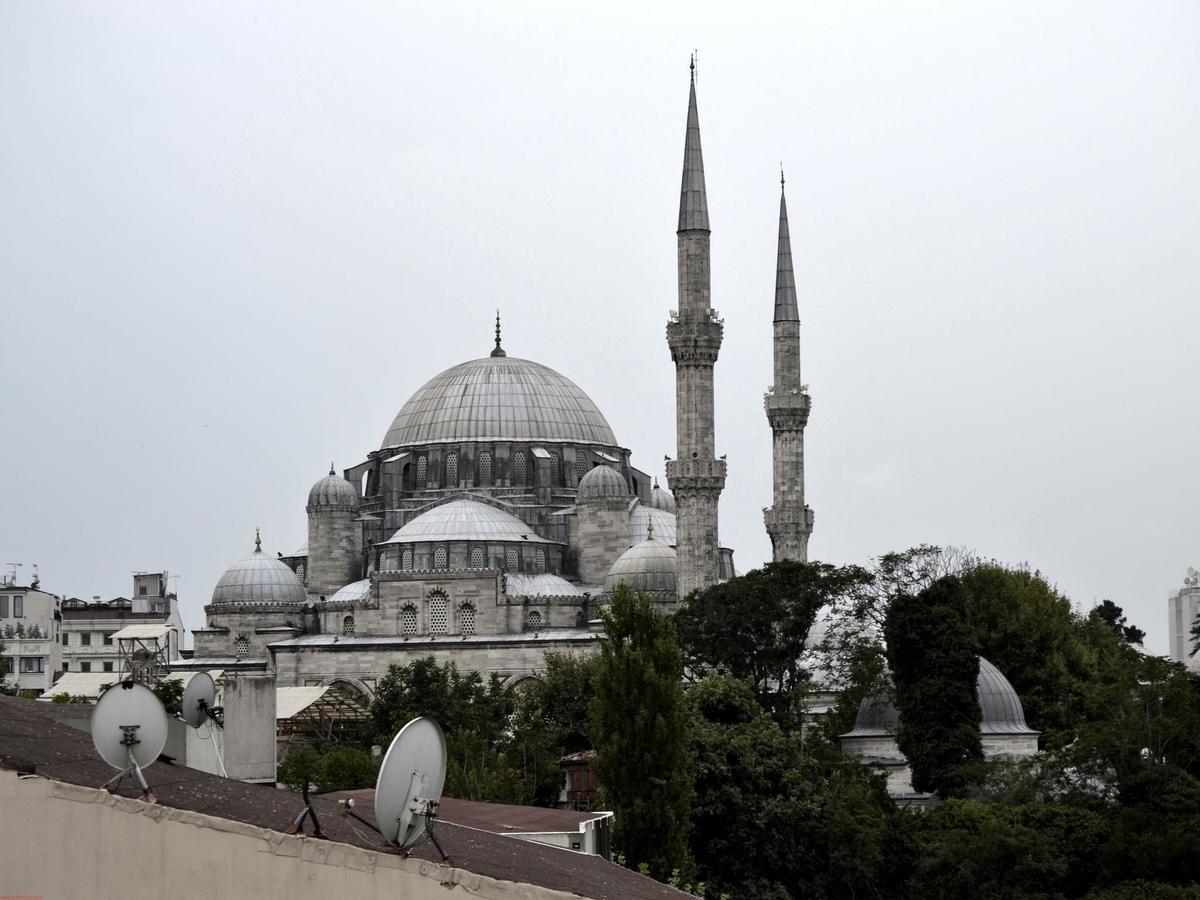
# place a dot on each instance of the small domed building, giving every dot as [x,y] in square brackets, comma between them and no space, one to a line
[1002,731]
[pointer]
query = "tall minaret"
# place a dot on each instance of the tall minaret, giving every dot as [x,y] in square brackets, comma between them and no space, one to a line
[789,522]
[694,335]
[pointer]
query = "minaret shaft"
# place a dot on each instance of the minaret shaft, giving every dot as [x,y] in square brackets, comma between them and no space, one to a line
[694,335]
[789,521]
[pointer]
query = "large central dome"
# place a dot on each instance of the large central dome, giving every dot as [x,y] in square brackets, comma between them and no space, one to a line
[499,398]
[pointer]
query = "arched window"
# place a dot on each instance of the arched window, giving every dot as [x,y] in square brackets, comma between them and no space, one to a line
[477,560]
[540,560]
[466,619]
[439,557]
[485,467]
[408,621]
[406,559]
[555,467]
[421,472]
[518,467]
[439,612]
[580,464]
[241,646]
[452,470]
[535,620]
[348,625]
[511,561]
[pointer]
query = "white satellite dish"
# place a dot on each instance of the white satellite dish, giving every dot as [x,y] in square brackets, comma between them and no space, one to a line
[198,704]
[410,783]
[129,729]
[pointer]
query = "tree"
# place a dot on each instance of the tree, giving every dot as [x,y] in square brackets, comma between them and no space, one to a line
[640,726]
[330,768]
[754,626]
[934,659]
[1114,617]
[169,691]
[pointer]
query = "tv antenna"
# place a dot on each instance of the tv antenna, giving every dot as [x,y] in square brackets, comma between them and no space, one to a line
[1193,578]
[129,729]
[12,577]
[409,787]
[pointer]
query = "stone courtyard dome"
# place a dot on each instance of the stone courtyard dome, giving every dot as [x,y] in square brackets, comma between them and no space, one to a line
[499,398]
[332,490]
[466,520]
[999,706]
[649,567]
[258,581]
[602,481]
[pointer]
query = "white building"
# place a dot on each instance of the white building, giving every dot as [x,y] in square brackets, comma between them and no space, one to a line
[88,642]
[30,623]
[1183,606]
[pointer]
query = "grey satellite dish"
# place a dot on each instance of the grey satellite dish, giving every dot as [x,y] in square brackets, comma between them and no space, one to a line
[410,783]
[198,704]
[129,729]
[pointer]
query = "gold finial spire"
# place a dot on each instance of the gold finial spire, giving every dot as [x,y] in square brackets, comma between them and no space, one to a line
[257,541]
[499,351]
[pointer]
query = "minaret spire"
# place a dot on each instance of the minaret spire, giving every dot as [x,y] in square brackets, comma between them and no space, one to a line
[789,521]
[498,351]
[694,333]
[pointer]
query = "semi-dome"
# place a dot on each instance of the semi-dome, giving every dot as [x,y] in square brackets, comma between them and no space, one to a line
[259,580]
[649,566]
[999,706]
[602,481]
[661,498]
[332,490]
[466,520]
[499,398]
[354,592]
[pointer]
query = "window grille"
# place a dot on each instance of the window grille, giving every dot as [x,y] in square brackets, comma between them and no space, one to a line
[439,558]
[406,559]
[348,625]
[421,479]
[408,621]
[477,561]
[540,560]
[439,613]
[241,646]
[511,561]
[535,620]
[466,619]
[580,464]
[485,467]
[555,467]
[518,467]
[452,470]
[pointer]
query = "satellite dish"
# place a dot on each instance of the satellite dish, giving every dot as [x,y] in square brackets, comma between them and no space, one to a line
[129,729]
[410,782]
[198,704]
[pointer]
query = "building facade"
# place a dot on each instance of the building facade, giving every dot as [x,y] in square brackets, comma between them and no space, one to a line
[1183,610]
[30,626]
[88,627]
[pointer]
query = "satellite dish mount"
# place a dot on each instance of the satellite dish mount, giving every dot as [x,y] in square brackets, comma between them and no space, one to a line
[129,729]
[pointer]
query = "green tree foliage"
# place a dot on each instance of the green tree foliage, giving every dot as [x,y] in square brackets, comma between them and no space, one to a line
[934,659]
[640,725]
[330,768]
[1154,836]
[754,626]
[1195,637]
[169,692]
[1114,617]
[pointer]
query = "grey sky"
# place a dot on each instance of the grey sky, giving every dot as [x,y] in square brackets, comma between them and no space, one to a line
[235,238]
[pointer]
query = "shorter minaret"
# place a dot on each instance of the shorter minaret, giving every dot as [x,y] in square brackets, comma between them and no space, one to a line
[789,521]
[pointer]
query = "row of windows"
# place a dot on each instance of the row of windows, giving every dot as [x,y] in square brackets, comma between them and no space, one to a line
[87,666]
[18,606]
[439,618]
[478,559]
[484,466]
[85,638]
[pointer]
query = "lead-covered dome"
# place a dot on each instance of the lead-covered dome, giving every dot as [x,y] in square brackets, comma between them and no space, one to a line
[661,498]
[649,567]
[466,520]
[499,398]
[999,707]
[332,491]
[256,581]
[602,482]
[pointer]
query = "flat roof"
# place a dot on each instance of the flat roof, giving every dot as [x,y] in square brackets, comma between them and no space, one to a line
[33,742]
[497,818]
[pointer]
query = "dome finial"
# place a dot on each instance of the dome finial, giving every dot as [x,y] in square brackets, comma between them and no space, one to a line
[499,351]
[650,529]
[781,174]
[331,467]
[257,541]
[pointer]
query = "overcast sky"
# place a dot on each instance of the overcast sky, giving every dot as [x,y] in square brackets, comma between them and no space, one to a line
[234,238]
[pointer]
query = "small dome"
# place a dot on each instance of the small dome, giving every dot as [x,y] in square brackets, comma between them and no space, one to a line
[354,592]
[602,481]
[466,520]
[649,567]
[333,490]
[999,706]
[643,518]
[259,580]
[661,498]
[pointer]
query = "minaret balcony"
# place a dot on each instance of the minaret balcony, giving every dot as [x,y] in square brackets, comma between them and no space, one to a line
[780,519]
[684,475]
[695,341]
[787,410]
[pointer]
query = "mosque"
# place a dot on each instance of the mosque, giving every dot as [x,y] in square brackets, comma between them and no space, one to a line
[500,510]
